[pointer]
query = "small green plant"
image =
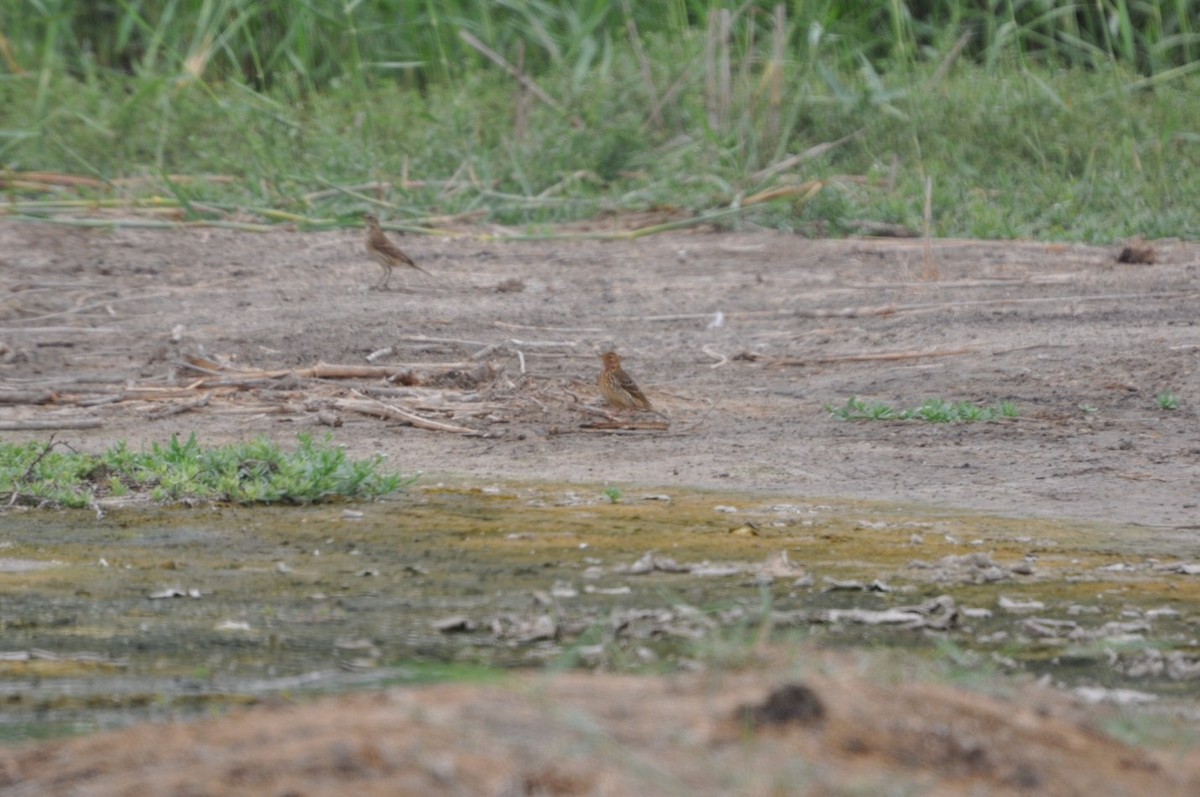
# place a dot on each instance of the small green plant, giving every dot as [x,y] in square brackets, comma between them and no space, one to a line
[858,410]
[1007,409]
[930,411]
[613,494]
[1167,400]
[40,474]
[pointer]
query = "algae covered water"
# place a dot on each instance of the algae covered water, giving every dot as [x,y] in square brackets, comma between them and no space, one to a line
[149,612]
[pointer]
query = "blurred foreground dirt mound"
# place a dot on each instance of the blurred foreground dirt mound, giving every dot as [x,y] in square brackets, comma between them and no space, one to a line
[778,727]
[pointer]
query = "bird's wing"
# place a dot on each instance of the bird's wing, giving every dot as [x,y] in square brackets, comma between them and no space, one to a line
[386,246]
[630,387]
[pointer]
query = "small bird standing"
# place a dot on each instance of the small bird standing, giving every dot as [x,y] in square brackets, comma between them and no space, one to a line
[384,252]
[618,388]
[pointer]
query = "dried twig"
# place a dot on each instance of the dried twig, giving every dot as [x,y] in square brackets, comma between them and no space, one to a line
[428,339]
[96,401]
[804,192]
[930,272]
[17,482]
[392,412]
[617,235]
[815,151]
[336,371]
[521,77]
[27,396]
[544,344]
[178,409]
[507,325]
[625,426]
[947,62]
[106,303]
[716,355]
[50,423]
[873,356]
[844,312]
[10,331]
[380,187]
[985,282]
[487,351]
[71,380]
[354,193]
[773,74]
[933,307]
[643,64]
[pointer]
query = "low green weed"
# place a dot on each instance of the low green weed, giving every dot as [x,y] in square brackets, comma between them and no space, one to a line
[44,474]
[1167,400]
[930,411]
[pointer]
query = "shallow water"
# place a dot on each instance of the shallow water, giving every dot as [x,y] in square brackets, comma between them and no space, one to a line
[150,612]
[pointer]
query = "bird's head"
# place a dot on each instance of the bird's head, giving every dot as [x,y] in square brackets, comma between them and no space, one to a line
[611,360]
[371,219]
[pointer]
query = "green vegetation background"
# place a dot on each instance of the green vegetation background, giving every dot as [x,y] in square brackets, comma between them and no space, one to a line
[992,118]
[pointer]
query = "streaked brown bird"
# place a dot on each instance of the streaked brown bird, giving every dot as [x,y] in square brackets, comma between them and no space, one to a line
[618,388]
[384,252]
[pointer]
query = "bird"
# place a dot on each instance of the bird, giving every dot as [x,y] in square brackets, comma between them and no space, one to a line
[384,252]
[618,388]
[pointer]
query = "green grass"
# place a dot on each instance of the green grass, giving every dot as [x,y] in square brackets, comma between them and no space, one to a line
[1167,400]
[1053,122]
[930,411]
[44,474]
[418,43]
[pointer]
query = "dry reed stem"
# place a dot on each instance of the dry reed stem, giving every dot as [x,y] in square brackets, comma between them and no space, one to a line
[522,78]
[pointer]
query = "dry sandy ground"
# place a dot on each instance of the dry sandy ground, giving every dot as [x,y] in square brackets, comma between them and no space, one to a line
[741,339]
[1079,343]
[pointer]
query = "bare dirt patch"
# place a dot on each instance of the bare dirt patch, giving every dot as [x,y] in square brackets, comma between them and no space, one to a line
[1080,343]
[741,339]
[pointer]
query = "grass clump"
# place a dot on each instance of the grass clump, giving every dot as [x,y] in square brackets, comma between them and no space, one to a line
[930,411]
[417,43]
[1167,400]
[39,474]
